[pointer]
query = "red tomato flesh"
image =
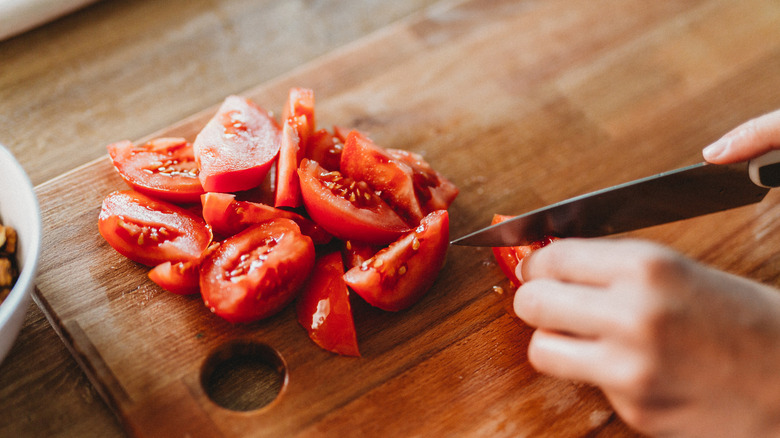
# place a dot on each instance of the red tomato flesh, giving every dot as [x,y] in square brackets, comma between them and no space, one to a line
[363,160]
[237,147]
[256,273]
[398,276]
[325,148]
[288,188]
[164,168]
[228,216]
[150,231]
[182,278]
[508,257]
[324,310]
[346,208]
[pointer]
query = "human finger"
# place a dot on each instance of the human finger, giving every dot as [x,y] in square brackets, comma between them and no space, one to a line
[584,311]
[595,262]
[748,140]
[565,356]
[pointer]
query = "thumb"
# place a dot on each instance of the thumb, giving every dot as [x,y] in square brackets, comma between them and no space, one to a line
[748,140]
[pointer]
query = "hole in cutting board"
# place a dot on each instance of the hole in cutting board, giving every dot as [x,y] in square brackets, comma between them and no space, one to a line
[243,376]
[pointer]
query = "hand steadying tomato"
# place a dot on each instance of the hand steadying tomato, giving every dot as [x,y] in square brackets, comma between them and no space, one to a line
[163,168]
[257,272]
[398,276]
[324,310]
[237,147]
[346,208]
[508,257]
[150,231]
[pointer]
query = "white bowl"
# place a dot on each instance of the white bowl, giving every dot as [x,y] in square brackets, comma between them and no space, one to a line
[18,209]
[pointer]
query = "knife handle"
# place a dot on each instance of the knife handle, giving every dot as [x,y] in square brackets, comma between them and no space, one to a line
[764,171]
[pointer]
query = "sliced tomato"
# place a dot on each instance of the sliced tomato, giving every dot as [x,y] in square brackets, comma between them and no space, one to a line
[325,148]
[434,191]
[150,231]
[354,253]
[228,216]
[237,147]
[363,160]
[324,310]
[164,168]
[398,276]
[257,272]
[300,103]
[508,257]
[346,208]
[288,188]
[180,278]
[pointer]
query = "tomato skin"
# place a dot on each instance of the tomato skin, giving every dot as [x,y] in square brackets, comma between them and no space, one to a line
[508,257]
[300,103]
[228,216]
[324,310]
[151,231]
[256,273]
[354,253]
[365,218]
[163,168]
[237,147]
[398,276]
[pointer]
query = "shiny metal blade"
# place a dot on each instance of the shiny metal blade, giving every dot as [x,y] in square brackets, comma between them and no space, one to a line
[666,197]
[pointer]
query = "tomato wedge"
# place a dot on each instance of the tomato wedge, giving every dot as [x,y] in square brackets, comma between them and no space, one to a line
[164,168]
[150,231]
[300,103]
[325,148]
[434,191]
[398,276]
[346,208]
[228,216]
[180,278]
[324,310]
[508,257]
[288,188]
[354,253]
[236,148]
[363,160]
[256,273]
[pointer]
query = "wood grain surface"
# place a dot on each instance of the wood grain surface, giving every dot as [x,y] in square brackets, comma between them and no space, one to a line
[520,104]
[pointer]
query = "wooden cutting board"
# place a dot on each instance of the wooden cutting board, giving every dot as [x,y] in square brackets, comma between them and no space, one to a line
[520,104]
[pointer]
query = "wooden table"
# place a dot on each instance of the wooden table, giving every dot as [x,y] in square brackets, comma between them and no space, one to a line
[586,97]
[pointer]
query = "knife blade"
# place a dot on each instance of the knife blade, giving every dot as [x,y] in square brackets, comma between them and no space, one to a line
[671,196]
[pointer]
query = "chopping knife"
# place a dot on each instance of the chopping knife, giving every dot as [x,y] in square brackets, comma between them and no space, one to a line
[683,193]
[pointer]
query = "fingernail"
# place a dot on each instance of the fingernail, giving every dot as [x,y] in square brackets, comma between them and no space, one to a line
[716,149]
[519,272]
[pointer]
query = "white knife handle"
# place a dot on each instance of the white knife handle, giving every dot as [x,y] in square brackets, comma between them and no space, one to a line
[764,171]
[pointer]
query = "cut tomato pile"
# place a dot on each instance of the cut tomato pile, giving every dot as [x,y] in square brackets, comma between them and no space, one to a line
[347,216]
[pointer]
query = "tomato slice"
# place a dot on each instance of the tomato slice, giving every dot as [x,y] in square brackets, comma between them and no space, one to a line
[180,278]
[508,257]
[354,253]
[433,191]
[363,160]
[346,208]
[398,276]
[324,310]
[288,188]
[164,168]
[237,147]
[325,148]
[228,216]
[256,273]
[300,103]
[150,231]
